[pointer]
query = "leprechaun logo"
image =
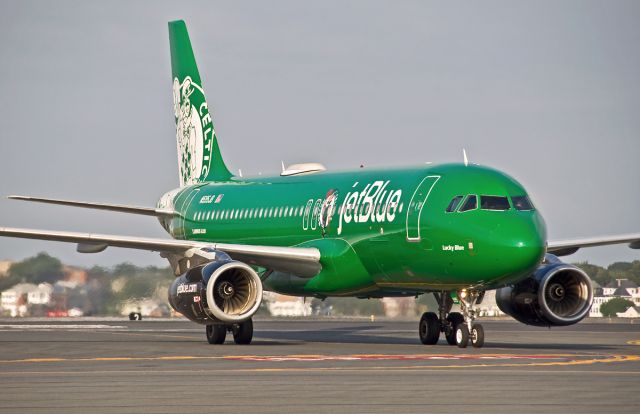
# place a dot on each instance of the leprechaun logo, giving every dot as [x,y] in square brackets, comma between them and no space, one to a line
[194,131]
[327,210]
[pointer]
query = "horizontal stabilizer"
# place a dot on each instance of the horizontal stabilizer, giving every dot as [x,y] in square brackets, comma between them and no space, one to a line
[147,211]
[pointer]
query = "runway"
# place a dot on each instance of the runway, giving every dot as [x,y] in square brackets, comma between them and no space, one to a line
[107,365]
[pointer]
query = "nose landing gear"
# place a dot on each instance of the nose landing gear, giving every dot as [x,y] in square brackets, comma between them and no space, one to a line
[468,331]
[458,328]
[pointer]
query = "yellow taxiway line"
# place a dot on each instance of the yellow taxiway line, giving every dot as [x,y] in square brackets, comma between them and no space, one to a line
[573,361]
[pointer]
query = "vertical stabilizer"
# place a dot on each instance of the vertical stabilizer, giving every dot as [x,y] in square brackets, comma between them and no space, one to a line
[199,156]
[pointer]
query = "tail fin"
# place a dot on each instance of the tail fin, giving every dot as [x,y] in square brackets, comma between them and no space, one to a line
[199,156]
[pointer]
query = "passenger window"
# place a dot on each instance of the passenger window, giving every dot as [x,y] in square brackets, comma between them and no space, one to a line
[522,203]
[469,204]
[494,203]
[454,203]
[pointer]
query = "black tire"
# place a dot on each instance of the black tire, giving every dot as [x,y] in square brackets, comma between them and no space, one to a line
[429,328]
[477,336]
[454,319]
[462,335]
[216,334]
[243,332]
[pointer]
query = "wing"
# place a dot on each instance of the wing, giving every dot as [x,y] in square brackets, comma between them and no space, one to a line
[183,254]
[147,211]
[567,247]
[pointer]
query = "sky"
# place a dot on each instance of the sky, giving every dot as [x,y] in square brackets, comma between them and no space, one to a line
[546,91]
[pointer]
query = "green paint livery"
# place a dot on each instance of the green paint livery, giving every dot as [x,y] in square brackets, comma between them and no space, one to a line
[380,232]
[367,256]
[455,230]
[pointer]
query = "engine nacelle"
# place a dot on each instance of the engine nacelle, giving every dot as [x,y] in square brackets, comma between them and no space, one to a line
[223,291]
[557,294]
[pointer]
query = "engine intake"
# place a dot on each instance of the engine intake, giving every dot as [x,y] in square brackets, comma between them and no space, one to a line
[223,291]
[557,294]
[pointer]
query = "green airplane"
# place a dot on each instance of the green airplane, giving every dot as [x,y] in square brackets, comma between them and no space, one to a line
[453,230]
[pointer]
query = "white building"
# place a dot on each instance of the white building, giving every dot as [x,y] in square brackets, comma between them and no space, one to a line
[282,305]
[146,307]
[620,288]
[632,312]
[41,295]
[14,300]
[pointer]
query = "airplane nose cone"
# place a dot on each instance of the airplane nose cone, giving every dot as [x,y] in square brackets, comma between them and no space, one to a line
[525,246]
[518,247]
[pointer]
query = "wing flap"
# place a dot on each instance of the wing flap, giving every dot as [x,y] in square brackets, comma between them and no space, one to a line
[302,261]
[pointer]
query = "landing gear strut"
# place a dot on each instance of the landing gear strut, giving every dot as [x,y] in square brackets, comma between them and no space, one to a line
[242,333]
[458,328]
[468,330]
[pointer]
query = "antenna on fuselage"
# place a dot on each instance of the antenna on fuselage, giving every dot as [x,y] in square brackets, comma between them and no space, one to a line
[282,163]
[464,157]
[240,172]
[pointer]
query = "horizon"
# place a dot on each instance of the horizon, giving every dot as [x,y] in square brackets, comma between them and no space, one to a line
[162,266]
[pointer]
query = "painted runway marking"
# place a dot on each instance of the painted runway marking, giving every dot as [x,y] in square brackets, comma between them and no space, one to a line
[483,360]
[65,326]
[507,367]
[208,371]
[388,357]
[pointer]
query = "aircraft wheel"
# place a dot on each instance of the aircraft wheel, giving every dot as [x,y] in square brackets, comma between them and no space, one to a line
[454,319]
[243,332]
[429,328]
[462,335]
[216,334]
[477,336]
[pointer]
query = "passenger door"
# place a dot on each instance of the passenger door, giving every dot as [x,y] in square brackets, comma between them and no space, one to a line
[417,203]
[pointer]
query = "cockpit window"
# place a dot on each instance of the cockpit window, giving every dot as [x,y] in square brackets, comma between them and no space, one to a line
[522,203]
[469,204]
[454,203]
[494,203]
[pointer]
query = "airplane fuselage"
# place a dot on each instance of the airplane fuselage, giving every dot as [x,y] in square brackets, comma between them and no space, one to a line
[380,232]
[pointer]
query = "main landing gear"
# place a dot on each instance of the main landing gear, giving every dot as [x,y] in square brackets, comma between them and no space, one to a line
[458,328]
[242,333]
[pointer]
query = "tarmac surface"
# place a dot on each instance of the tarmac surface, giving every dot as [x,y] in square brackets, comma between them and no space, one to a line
[337,366]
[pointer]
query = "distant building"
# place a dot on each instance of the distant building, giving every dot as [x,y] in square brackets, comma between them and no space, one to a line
[282,305]
[489,307]
[627,284]
[146,307]
[396,307]
[41,295]
[75,275]
[14,300]
[632,312]
[620,288]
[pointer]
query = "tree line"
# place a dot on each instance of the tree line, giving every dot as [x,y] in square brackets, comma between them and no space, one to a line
[108,287]
[105,288]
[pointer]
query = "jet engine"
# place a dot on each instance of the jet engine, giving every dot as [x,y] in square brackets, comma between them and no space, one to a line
[557,294]
[222,291]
